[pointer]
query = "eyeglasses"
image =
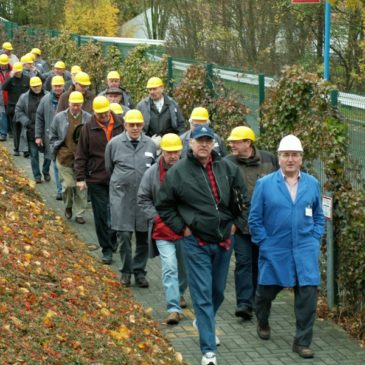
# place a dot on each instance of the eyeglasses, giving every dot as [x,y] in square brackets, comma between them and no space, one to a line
[288,155]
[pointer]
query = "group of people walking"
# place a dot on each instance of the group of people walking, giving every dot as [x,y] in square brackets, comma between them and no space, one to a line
[176,190]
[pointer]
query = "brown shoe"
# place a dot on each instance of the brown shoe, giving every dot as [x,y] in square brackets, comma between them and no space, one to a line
[264,332]
[80,220]
[125,280]
[173,318]
[183,302]
[68,213]
[303,351]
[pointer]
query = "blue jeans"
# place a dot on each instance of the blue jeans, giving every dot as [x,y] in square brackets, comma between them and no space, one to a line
[3,124]
[207,269]
[173,272]
[56,177]
[245,272]
[34,161]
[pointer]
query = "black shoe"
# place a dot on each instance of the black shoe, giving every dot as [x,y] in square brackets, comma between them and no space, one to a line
[38,180]
[125,280]
[47,177]
[2,138]
[142,282]
[16,153]
[303,351]
[264,332]
[59,196]
[244,312]
[107,259]
[68,213]
[26,154]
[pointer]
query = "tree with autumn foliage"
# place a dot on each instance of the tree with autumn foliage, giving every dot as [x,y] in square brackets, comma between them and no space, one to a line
[91,17]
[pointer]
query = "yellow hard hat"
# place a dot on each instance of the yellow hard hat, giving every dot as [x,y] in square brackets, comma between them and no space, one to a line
[241,133]
[18,67]
[36,51]
[76,98]
[82,78]
[116,108]
[60,64]
[4,59]
[8,46]
[75,69]
[199,113]
[26,58]
[35,81]
[101,104]
[171,142]
[154,82]
[57,80]
[113,75]
[133,116]
[31,55]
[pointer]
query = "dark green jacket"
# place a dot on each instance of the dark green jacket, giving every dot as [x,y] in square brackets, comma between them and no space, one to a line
[186,199]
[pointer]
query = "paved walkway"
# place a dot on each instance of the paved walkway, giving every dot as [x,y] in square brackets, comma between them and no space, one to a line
[239,342]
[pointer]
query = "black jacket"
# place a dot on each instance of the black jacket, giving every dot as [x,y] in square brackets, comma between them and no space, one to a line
[186,199]
[15,87]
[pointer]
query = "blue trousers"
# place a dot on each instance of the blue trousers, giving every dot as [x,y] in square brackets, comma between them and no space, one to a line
[207,269]
[34,161]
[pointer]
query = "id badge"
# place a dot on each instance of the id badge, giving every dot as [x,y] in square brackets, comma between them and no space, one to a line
[308,212]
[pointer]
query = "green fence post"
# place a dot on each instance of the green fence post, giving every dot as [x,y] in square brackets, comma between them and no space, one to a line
[261,95]
[170,75]
[209,69]
[78,37]
[334,98]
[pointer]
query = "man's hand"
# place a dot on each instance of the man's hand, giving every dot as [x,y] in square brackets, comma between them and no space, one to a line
[233,229]
[39,141]
[187,232]
[81,185]
[156,140]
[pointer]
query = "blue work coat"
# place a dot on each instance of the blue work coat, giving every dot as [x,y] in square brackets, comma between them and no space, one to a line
[287,233]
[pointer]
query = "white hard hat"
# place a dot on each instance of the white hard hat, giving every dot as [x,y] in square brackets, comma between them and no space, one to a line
[290,143]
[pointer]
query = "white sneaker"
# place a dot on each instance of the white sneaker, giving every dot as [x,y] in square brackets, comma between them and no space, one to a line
[217,340]
[209,359]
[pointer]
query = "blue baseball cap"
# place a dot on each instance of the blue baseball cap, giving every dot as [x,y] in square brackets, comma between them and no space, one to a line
[202,131]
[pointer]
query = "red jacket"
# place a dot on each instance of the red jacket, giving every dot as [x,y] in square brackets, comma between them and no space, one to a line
[3,77]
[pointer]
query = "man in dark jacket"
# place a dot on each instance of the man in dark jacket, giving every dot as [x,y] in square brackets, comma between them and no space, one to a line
[15,85]
[198,200]
[160,112]
[81,83]
[253,164]
[25,113]
[91,173]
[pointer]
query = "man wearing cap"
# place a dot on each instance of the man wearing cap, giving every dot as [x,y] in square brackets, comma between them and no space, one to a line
[45,112]
[253,164]
[91,173]
[161,113]
[15,85]
[203,198]
[39,62]
[5,70]
[63,142]
[113,82]
[59,69]
[114,95]
[25,113]
[167,241]
[81,83]
[200,116]
[7,49]
[127,157]
[286,222]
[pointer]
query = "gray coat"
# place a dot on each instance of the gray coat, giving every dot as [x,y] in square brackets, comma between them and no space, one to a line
[177,119]
[21,116]
[147,196]
[58,130]
[126,166]
[44,117]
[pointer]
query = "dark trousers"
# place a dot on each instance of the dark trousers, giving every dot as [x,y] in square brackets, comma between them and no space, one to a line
[305,303]
[138,264]
[17,130]
[99,196]
[34,161]
[246,270]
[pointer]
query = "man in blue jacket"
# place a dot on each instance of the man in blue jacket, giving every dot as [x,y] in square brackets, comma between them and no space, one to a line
[286,221]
